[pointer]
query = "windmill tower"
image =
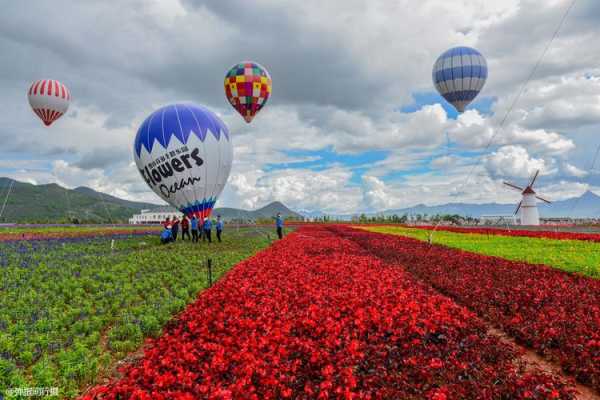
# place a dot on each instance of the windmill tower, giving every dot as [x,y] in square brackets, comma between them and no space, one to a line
[528,203]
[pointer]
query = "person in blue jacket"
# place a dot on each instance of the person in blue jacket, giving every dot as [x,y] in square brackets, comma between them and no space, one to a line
[194,226]
[207,229]
[219,228]
[279,225]
[166,236]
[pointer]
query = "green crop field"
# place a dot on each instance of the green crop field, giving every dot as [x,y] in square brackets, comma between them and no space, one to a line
[570,255]
[71,307]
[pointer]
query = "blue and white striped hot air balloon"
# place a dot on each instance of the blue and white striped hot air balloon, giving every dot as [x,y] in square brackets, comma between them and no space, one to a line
[459,75]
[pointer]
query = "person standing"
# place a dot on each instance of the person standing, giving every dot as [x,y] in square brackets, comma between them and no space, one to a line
[279,225]
[219,228]
[167,222]
[207,229]
[175,228]
[185,228]
[194,224]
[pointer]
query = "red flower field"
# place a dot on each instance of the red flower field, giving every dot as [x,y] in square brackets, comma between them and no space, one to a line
[317,316]
[552,311]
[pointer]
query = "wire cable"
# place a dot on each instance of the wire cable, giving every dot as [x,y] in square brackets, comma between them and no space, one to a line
[520,91]
[12,182]
[523,87]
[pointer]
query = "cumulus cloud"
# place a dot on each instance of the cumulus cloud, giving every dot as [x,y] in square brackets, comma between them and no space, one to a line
[572,170]
[564,102]
[341,71]
[375,193]
[475,131]
[514,161]
[562,190]
[302,189]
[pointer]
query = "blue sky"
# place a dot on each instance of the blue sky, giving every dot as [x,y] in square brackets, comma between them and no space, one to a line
[358,163]
[354,122]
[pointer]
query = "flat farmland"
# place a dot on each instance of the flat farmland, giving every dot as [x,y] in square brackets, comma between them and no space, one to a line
[573,255]
[75,303]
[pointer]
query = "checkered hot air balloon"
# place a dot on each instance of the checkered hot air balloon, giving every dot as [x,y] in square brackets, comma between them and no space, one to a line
[49,99]
[248,87]
[459,75]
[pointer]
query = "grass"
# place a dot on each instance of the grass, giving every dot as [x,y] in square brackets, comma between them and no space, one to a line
[570,255]
[70,309]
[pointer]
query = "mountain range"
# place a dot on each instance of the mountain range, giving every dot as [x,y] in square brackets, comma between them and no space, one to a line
[585,206]
[51,203]
[265,212]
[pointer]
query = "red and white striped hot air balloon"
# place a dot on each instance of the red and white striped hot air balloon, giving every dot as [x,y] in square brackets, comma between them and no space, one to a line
[49,99]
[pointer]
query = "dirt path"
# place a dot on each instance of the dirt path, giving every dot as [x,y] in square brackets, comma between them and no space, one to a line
[528,355]
[533,360]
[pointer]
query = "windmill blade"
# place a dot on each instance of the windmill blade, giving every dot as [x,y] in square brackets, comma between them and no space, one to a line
[518,207]
[514,186]
[534,178]
[542,199]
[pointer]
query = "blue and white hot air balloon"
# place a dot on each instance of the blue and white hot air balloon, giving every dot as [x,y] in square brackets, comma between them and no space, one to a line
[184,154]
[459,75]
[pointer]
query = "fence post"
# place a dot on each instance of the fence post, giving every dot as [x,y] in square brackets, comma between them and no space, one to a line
[209,266]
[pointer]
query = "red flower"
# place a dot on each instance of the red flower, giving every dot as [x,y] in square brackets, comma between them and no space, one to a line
[554,312]
[329,313]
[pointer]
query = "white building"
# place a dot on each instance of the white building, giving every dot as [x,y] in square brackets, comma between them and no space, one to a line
[156,216]
[529,210]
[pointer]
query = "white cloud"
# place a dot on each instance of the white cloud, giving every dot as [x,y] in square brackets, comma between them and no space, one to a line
[514,161]
[446,161]
[572,170]
[326,190]
[562,190]
[475,131]
[564,102]
[341,71]
[375,193]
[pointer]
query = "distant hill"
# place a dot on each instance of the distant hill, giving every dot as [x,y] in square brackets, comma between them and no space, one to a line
[274,208]
[106,197]
[268,211]
[52,203]
[584,206]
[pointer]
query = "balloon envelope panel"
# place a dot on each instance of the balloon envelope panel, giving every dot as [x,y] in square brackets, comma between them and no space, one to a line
[184,153]
[49,99]
[459,75]
[248,86]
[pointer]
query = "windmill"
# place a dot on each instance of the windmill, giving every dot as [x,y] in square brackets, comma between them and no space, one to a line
[528,203]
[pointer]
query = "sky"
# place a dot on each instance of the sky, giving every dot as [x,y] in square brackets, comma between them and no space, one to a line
[354,123]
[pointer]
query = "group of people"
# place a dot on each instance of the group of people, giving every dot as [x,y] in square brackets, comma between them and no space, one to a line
[200,230]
